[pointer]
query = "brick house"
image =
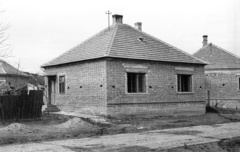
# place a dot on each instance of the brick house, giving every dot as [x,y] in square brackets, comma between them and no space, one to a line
[11,79]
[222,75]
[124,71]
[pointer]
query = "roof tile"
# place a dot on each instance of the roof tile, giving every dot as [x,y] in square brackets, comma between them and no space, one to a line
[217,57]
[8,69]
[122,41]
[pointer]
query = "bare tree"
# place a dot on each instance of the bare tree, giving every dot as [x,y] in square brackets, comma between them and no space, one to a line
[4,46]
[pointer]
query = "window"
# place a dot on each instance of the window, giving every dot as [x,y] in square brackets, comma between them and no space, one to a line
[184,83]
[61,84]
[136,82]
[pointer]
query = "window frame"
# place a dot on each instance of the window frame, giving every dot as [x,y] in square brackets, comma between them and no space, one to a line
[190,81]
[144,84]
[59,86]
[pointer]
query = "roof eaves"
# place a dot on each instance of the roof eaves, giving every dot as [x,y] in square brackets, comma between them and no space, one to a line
[72,62]
[14,75]
[222,68]
[154,60]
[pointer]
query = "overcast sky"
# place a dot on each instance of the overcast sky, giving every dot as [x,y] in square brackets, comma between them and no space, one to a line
[43,29]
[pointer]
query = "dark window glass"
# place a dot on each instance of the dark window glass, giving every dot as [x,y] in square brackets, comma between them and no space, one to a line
[184,83]
[61,84]
[136,82]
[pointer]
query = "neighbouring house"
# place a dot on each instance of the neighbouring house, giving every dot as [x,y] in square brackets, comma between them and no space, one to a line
[124,71]
[12,79]
[222,75]
[36,80]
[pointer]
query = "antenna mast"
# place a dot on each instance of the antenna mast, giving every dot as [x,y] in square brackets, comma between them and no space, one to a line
[108,13]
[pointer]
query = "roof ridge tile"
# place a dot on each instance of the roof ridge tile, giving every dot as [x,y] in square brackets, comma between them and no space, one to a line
[112,39]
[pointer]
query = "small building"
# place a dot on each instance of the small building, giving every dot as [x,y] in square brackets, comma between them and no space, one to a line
[222,75]
[124,71]
[36,81]
[11,78]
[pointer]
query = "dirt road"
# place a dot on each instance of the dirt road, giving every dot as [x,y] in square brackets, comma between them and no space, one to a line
[146,141]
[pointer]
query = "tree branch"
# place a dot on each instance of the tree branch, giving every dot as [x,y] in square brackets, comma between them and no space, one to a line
[4,46]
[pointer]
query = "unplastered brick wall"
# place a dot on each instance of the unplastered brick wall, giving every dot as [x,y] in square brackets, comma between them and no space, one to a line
[85,86]
[223,85]
[161,82]
[156,109]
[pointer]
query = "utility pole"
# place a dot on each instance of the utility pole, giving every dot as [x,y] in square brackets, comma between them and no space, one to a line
[108,13]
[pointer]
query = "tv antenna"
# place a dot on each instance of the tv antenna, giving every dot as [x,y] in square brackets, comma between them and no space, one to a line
[108,13]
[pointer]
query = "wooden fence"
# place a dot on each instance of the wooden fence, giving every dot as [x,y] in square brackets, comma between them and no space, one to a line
[23,106]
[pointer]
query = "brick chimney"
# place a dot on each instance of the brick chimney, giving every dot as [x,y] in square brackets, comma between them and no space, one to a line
[205,40]
[117,19]
[138,25]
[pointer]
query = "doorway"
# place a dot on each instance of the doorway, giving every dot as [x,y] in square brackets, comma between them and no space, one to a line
[51,90]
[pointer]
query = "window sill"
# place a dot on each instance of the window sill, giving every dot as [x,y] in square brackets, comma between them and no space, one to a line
[139,93]
[185,93]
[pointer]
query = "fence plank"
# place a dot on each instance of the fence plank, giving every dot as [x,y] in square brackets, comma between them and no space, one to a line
[23,106]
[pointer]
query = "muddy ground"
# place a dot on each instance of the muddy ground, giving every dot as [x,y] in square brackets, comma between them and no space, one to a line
[226,145]
[58,127]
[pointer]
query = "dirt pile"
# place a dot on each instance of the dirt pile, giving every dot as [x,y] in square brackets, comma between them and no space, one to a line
[17,128]
[77,124]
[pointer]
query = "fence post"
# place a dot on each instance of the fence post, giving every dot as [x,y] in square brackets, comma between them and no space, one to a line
[208,98]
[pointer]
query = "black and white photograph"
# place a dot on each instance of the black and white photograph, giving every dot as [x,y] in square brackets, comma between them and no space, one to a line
[120,76]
